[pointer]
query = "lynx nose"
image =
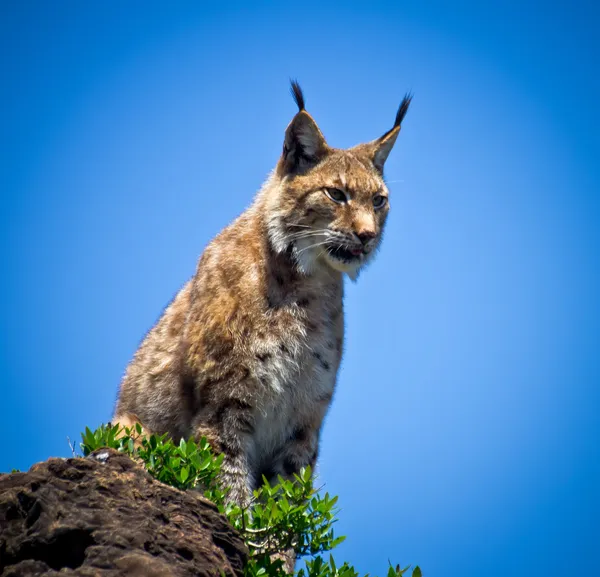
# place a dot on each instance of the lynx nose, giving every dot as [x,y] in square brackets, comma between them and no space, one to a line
[365,236]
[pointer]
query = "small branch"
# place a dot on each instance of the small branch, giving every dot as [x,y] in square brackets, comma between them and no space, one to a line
[255,531]
[71,446]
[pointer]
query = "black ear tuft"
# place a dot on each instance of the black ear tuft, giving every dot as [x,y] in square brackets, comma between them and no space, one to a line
[403,109]
[381,147]
[297,94]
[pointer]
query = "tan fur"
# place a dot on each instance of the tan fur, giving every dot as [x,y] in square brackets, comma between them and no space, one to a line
[248,351]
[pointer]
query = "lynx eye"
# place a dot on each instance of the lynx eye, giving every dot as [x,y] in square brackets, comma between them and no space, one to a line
[336,195]
[379,201]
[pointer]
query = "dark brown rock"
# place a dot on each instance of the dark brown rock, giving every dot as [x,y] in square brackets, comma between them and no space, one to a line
[105,516]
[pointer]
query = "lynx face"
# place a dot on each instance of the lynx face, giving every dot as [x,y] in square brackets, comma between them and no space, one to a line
[332,204]
[336,212]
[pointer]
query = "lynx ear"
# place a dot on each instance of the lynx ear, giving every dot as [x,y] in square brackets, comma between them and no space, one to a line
[381,147]
[304,144]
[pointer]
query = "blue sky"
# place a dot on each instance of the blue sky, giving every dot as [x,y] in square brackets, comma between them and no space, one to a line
[464,433]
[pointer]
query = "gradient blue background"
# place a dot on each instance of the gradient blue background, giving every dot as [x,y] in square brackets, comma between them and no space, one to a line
[464,435]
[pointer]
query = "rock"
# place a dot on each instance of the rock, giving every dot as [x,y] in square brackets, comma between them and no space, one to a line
[105,516]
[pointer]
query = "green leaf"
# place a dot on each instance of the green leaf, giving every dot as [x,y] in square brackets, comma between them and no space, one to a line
[416,572]
[183,447]
[338,541]
[184,474]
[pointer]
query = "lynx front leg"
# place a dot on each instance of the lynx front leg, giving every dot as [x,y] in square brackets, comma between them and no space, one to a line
[229,430]
[301,451]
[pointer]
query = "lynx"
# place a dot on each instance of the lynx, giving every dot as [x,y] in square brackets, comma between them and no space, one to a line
[248,351]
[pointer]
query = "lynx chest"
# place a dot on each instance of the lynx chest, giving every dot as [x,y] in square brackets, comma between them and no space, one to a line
[298,369]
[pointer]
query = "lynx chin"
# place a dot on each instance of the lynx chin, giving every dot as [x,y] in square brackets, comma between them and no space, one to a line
[247,352]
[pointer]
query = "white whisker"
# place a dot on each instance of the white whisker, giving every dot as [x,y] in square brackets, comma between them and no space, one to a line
[293,237]
[312,246]
[303,233]
[300,225]
[321,254]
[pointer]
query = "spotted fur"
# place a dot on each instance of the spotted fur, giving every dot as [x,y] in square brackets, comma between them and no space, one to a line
[248,351]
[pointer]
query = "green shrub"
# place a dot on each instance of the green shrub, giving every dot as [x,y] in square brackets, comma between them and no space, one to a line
[280,517]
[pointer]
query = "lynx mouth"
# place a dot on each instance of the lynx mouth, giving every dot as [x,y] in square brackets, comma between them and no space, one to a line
[344,254]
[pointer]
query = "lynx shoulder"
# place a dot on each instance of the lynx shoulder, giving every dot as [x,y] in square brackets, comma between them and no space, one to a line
[248,351]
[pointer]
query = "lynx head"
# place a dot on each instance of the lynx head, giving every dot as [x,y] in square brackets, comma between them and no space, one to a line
[331,204]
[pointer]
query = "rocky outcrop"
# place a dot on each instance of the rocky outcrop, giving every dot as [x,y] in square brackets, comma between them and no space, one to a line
[105,516]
